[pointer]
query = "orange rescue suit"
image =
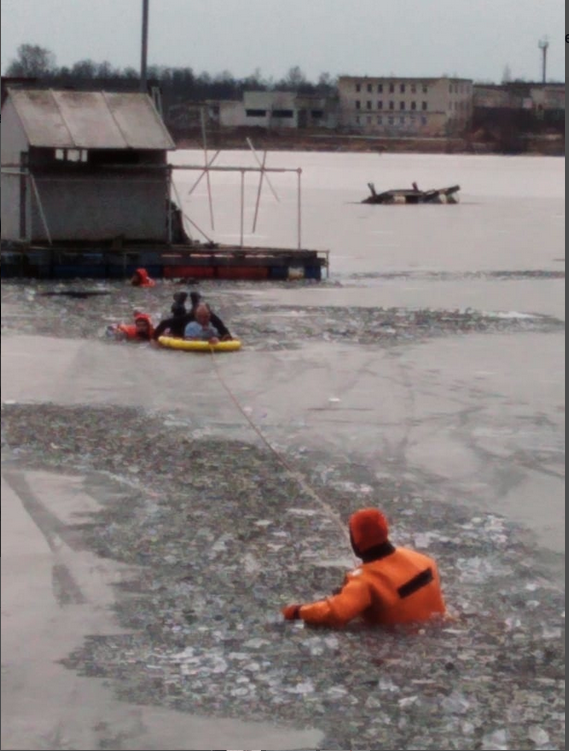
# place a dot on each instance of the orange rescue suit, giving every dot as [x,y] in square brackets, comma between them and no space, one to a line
[402,587]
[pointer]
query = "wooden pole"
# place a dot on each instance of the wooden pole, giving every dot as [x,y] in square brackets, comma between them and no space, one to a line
[40,207]
[200,178]
[242,207]
[259,192]
[259,163]
[144,49]
[300,209]
[207,170]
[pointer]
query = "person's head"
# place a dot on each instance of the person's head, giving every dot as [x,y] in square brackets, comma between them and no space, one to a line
[140,277]
[143,326]
[195,297]
[202,314]
[369,531]
[180,298]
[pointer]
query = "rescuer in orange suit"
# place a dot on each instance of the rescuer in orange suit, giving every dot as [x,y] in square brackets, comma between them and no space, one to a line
[139,331]
[140,278]
[392,586]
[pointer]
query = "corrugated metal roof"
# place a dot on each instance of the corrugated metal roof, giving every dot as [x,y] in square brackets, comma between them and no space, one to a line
[90,120]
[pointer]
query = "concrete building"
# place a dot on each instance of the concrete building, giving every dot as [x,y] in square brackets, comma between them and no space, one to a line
[391,106]
[525,107]
[548,97]
[276,110]
[82,166]
[520,95]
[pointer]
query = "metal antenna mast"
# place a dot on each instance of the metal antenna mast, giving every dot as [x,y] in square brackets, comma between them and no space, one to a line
[543,45]
[144,48]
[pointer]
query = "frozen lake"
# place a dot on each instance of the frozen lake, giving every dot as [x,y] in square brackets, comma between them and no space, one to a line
[456,431]
[511,218]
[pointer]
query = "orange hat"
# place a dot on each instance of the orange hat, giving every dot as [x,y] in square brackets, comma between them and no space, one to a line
[142,317]
[368,529]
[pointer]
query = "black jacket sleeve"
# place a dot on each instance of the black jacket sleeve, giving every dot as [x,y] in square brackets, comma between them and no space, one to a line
[219,325]
[162,327]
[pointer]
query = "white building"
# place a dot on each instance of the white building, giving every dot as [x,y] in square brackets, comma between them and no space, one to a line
[393,106]
[86,166]
[276,110]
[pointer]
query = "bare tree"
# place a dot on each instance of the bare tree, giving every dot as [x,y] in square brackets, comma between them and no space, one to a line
[32,61]
[295,78]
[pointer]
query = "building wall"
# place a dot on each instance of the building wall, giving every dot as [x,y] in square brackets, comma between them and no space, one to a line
[14,143]
[276,109]
[271,109]
[231,114]
[92,208]
[405,106]
[548,97]
[14,140]
[10,203]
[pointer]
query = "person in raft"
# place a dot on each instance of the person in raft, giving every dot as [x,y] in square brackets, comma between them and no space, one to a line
[139,331]
[177,324]
[392,586]
[140,278]
[178,308]
[202,328]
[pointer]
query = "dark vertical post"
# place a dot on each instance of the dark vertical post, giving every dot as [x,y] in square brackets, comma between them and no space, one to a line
[144,48]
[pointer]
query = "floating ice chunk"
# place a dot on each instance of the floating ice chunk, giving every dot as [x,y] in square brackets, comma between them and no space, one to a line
[256,643]
[497,740]
[303,688]
[408,701]
[315,646]
[538,735]
[373,703]
[251,564]
[332,642]
[386,684]
[510,315]
[551,633]
[337,692]
[456,703]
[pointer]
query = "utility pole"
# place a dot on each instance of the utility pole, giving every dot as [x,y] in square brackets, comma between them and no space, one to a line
[144,48]
[543,45]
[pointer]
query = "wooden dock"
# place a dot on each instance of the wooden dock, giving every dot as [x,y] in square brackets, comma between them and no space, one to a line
[195,261]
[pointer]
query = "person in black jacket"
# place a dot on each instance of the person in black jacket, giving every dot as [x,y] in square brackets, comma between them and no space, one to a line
[176,325]
[179,306]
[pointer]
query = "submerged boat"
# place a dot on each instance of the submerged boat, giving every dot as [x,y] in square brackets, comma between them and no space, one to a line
[413,195]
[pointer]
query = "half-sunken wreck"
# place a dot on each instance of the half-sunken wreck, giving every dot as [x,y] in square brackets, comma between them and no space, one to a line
[413,195]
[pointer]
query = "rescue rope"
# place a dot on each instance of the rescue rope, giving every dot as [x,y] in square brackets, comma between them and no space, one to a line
[297,476]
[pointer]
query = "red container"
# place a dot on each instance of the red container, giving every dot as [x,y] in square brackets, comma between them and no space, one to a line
[189,272]
[243,272]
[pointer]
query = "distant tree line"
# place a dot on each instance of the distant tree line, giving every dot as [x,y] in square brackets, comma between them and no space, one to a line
[177,84]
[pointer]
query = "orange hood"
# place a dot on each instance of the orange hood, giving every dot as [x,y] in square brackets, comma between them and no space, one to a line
[145,280]
[368,529]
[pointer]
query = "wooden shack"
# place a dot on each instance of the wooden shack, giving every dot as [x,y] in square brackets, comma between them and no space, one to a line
[81,167]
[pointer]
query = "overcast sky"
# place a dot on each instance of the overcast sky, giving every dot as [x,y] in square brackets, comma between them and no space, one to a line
[469,38]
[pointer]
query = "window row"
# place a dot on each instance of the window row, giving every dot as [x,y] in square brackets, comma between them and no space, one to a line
[402,105]
[380,120]
[402,87]
[457,88]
